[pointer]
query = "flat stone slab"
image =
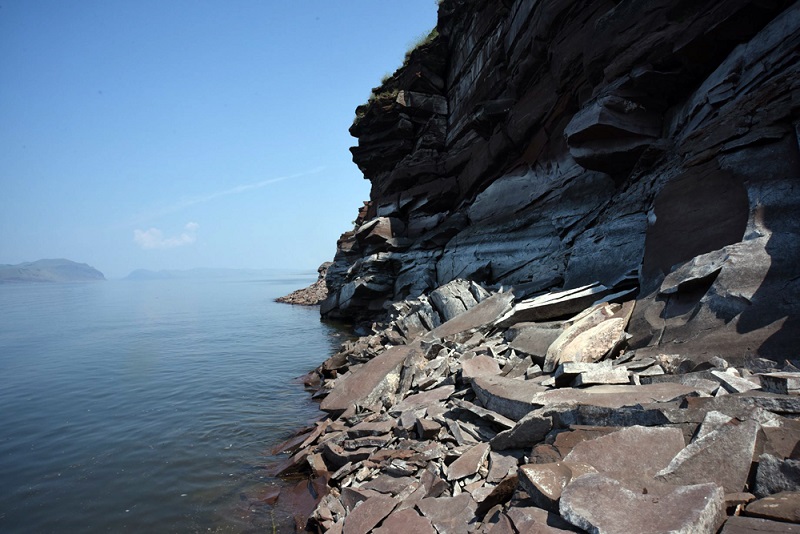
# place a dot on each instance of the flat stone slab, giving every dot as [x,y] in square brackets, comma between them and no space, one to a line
[369,384]
[500,466]
[484,313]
[723,456]
[556,304]
[635,451]
[468,463]
[600,504]
[507,396]
[783,506]
[407,520]
[734,384]
[367,428]
[481,365]
[534,339]
[368,514]
[612,396]
[423,399]
[538,521]
[602,376]
[450,515]
[753,525]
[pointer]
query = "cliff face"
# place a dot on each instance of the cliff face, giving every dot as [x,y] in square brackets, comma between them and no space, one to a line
[550,144]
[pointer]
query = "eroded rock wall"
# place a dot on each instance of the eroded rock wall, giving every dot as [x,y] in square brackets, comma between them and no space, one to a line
[549,144]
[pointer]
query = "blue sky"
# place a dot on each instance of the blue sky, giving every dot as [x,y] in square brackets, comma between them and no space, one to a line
[173,134]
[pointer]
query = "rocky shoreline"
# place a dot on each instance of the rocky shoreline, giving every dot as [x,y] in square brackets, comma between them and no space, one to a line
[311,295]
[581,244]
[472,410]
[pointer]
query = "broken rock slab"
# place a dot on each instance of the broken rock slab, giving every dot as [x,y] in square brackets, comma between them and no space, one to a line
[368,514]
[782,383]
[450,515]
[635,451]
[478,366]
[468,463]
[484,313]
[555,305]
[754,525]
[590,336]
[407,520]
[507,396]
[544,483]
[600,504]
[783,506]
[372,383]
[723,456]
[528,431]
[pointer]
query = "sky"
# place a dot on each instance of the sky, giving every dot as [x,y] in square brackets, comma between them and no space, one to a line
[174,134]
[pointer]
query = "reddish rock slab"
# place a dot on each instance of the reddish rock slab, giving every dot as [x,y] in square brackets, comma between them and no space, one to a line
[480,365]
[639,451]
[303,498]
[753,525]
[423,399]
[783,506]
[544,483]
[566,441]
[372,383]
[388,484]
[613,396]
[368,428]
[450,515]
[508,397]
[723,456]
[484,313]
[368,514]
[468,463]
[500,466]
[600,504]
[532,520]
[403,521]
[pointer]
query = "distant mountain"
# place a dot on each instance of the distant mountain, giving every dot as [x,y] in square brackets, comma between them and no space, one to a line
[198,274]
[59,270]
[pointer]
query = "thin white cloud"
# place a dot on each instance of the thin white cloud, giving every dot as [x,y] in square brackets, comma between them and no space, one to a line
[201,199]
[153,238]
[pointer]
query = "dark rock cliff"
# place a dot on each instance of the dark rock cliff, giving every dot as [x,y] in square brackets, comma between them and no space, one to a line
[550,144]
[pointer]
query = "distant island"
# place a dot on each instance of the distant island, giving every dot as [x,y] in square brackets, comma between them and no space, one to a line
[58,270]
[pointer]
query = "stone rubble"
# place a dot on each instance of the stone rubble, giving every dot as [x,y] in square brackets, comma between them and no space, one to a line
[443,431]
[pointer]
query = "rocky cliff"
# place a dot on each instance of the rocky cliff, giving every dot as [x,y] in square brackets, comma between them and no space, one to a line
[649,148]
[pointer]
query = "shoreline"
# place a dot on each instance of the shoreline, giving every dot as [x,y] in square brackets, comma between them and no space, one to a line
[468,418]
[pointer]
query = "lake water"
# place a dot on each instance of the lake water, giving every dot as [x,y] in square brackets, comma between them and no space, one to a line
[150,406]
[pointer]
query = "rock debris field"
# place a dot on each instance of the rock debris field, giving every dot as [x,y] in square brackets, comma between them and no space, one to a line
[472,411]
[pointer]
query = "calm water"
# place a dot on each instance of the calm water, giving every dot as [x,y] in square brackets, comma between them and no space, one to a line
[150,406]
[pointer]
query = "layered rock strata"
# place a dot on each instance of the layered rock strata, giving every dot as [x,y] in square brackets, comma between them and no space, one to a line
[547,145]
[444,420]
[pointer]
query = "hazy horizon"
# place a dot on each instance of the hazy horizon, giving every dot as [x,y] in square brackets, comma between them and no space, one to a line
[188,134]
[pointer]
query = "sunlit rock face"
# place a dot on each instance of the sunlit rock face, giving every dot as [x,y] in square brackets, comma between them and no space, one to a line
[543,145]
